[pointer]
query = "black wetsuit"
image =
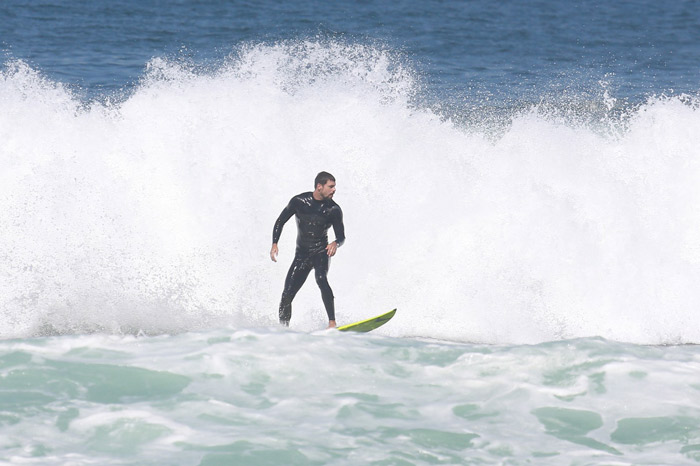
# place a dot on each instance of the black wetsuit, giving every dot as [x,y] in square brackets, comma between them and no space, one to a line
[314,218]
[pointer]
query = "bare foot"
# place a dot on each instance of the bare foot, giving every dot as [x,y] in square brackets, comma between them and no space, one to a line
[331,324]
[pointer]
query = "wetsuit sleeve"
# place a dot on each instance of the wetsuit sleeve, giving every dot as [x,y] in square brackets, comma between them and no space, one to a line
[338,227]
[286,214]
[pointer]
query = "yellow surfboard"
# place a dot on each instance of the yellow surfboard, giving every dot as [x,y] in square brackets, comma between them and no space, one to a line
[369,324]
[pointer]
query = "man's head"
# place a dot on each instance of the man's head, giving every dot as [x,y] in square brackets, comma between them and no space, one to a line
[325,185]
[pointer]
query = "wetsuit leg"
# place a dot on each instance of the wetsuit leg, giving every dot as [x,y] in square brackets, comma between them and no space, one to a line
[298,272]
[321,263]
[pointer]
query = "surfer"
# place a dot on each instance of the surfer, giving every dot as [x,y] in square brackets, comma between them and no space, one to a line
[315,213]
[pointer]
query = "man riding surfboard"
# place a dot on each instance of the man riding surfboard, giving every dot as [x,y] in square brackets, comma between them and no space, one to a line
[315,213]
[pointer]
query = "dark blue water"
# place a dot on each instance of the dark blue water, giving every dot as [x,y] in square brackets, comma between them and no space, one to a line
[467,51]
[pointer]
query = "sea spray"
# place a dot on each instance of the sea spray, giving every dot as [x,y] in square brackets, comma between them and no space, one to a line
[153,212]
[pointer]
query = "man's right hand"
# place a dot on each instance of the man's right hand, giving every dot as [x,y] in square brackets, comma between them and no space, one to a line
[273,252]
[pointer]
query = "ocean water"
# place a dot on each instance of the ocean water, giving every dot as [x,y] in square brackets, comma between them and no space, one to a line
[519,179]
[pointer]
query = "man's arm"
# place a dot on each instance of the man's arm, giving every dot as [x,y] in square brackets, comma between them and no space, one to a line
[286,214]
[339,230]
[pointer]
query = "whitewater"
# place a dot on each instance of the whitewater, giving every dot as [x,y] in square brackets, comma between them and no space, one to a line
[542,228]
[543,262]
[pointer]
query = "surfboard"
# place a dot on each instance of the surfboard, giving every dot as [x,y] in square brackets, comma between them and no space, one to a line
[368,324]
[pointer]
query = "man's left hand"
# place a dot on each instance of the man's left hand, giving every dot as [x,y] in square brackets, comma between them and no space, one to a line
[331,249]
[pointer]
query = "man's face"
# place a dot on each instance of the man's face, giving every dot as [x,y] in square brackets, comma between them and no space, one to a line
[326,191]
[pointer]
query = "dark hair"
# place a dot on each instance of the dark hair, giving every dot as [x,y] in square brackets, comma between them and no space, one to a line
[322,178]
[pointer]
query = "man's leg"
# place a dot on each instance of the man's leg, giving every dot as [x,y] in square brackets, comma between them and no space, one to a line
[321,264]
[298,272]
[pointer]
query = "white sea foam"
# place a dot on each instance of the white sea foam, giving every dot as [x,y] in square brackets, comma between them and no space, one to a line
[338,398]
[154,212]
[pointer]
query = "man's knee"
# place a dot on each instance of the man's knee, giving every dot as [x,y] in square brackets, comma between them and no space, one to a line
[287,298]
[321,278]
[325,288]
